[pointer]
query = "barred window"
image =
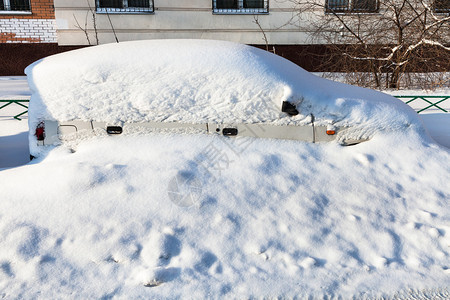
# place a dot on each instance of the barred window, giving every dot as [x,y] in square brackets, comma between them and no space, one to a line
[15,5]
[442,6]
[240,6]
[352,6]
[127,6]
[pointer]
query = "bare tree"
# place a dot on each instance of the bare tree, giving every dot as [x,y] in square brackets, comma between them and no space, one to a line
[94,22]
[85,28]
[263,32]
[256,21]
[112,27]
[388,38]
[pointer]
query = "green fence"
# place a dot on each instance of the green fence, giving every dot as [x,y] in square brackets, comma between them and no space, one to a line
[17,102]
[433,102]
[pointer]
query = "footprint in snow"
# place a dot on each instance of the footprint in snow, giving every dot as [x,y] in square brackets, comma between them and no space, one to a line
[162,276]
[6,269]
[365,159]
[206,262]
[308,263]
[353,218]
[434,232]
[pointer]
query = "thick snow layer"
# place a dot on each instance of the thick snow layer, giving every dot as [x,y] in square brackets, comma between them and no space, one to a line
[196,81]
[196,216]
[188,216]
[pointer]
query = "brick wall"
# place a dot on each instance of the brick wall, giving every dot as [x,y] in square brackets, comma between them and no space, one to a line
[14,57]
[37,26]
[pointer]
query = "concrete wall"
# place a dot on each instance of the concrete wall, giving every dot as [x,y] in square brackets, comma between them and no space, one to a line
[35,26]
[176,19]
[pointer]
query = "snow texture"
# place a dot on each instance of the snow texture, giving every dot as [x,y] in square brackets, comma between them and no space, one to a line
[14,87]
[198,81]
[197,216]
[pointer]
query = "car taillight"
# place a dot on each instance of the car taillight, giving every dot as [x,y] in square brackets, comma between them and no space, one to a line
[40,131]
[331,132]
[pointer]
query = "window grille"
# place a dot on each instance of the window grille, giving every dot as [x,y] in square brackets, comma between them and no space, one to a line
[442,6]
[352,6]
[15,5]
[240,6]
[125,6]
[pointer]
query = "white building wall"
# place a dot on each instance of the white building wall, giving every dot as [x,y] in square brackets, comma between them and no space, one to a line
[177,19]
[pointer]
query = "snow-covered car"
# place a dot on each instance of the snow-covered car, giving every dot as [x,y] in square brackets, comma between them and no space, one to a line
[195,86]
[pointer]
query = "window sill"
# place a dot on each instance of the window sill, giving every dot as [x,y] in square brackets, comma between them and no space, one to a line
[124,11]
[240,12]
[14,12]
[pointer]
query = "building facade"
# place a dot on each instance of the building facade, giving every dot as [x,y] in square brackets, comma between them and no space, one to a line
[27,21]
[60,25]
[235,20]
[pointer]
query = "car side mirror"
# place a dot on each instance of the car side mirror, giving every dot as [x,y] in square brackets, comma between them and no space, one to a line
[289,108]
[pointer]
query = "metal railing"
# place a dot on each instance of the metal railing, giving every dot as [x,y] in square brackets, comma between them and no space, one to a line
[18,102]
[441,6]
[16,5]
[432,101]
[240,6]
[125,6]
[352,6]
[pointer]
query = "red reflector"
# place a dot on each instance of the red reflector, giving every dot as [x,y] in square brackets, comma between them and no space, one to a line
[331,132]
[40,132]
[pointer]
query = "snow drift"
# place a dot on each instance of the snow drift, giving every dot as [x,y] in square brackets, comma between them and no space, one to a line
[179,216]
[197,81]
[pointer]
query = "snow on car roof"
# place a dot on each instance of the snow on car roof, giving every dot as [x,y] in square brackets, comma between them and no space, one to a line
[195,81]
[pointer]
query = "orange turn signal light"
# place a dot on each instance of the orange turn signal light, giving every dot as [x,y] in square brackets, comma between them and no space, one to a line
[331,132]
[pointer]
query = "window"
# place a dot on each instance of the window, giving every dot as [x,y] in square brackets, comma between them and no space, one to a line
[240,6]
[15,5]
[127,6]
[352,6]
[442,6]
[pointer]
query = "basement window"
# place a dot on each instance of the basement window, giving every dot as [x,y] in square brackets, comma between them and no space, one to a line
[351,6]
[240,6]
[125,6]
[15,5]
[442,6]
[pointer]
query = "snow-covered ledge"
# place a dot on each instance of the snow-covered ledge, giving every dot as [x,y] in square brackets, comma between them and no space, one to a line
[14,12]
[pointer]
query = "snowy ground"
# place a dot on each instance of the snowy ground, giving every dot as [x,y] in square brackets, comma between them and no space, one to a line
[198,216]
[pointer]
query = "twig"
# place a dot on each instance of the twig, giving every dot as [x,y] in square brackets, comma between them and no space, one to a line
[112,27]
[256,21]
[83,29]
